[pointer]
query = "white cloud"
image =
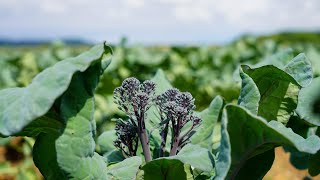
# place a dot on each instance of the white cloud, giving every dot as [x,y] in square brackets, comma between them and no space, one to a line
[193,14]
[135,3]
[53,6]
[154,20]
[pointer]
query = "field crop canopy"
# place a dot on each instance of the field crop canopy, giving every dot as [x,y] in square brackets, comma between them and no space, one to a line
[143,127]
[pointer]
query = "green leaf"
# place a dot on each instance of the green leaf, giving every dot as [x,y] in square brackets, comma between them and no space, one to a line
[105,141]
[114,156]
[20,106]
[126,169]
[45,156]
[209,116]
[223,159]
[306,100]
[314,161]
[278,86]
[302,160]
[249,94]
[76,146]
[250,169]
[65,133]
[160,169]
[298,159]
[162,83]
[44,124]
[278,91]
[198,157]
[255,137]
[300,69]
[173,166]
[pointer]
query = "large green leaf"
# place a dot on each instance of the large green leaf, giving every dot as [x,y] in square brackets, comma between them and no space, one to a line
[20,106]
[126,169]
[223,159]
[298,159]
[306,101]
[45,156]
[314,161]
[249,95]
[275,88]
[44,124]
[198,157]
[173,166]
[253,142]
[209,116]
[65,133]
[249,170]
[278,92]
[305,160]
[76,146]
[160,169]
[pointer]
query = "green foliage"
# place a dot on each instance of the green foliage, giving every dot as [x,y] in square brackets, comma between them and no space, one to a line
[210,116]
[126,169]
[66,106]
[278,88]
[65,96]
[306,103]
[254,141]
[172,167]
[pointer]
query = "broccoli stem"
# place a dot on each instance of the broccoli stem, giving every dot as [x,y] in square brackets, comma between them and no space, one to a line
[144,137]
[164,134]
[175,146]
[176,139]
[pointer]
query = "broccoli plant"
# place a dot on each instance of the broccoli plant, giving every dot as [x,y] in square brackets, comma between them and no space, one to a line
[134,99]
[176,110]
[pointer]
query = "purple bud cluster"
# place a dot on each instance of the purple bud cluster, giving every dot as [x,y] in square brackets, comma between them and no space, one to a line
[133,98]
[132,95]
[178,107]
[127,137]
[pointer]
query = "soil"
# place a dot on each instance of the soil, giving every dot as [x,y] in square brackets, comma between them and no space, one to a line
[283,170]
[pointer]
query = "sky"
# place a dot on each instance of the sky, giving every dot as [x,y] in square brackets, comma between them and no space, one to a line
[154,21]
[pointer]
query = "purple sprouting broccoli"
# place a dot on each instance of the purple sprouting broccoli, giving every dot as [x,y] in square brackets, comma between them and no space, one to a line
[176,112]
[177,108]
[135,98]
[127,139]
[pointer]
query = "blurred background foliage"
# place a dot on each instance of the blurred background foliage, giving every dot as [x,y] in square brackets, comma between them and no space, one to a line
[205,71]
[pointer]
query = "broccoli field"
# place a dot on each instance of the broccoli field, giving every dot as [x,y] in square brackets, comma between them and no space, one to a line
[123,111]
